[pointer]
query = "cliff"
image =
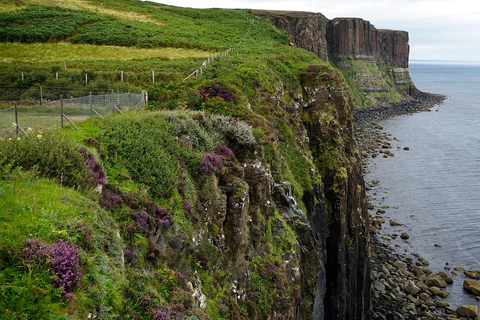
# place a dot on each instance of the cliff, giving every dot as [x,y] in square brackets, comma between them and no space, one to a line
[374,62]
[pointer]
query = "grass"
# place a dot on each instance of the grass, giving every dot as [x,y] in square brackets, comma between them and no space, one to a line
[28,210]
[64,51]
[9,5]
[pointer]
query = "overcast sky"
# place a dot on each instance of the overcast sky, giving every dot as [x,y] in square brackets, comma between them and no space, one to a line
[438,29]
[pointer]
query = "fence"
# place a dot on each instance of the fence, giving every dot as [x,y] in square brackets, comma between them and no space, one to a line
[59,113]
[198,72]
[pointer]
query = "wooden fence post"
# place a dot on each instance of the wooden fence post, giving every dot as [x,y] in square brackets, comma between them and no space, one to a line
[153,76]
[86,78]
[16,120]
[23,78]
[121,75]
[91,105]
[61,109]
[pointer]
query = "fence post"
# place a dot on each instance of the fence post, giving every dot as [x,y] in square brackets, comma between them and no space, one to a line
[113,103]
[91,105]
[121,75]
[41,95]
[61,109]
[56,75]
[86,78]
[118,96]
[16,120]
[23,78]
[153,76]
[129,98]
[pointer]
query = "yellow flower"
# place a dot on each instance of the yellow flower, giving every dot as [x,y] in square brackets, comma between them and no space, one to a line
[14,124]
[39,136]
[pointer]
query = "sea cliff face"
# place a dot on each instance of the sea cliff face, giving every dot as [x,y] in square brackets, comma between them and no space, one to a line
[374,62]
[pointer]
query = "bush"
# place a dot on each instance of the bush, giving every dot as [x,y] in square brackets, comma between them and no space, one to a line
[52,156]
[210,163]
[63,261]
[235,131]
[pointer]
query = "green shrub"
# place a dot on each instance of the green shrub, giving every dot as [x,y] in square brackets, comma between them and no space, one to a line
[51,155]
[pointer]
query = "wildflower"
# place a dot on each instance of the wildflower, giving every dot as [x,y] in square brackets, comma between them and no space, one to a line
[8,210]
[39,136]
[14,124]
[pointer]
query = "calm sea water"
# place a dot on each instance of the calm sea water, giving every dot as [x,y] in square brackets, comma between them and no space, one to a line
[434,188]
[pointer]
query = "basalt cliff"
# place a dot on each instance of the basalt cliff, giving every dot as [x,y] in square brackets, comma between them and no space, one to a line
[374,61]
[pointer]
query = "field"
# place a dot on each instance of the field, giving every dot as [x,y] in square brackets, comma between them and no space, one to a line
[64,51]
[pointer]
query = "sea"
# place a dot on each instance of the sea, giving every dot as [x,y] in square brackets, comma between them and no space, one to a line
[433,188]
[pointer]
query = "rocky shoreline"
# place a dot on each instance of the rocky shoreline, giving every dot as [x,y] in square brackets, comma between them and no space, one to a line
[404,287]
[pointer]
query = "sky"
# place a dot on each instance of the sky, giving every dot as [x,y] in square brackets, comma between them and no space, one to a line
[438,29]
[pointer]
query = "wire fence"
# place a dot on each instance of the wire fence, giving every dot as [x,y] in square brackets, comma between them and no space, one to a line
[198,72]
[31,119]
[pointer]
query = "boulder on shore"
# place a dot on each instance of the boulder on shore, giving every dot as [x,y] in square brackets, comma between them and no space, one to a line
[472,286]
[475,274]
[434,280]
[467,311]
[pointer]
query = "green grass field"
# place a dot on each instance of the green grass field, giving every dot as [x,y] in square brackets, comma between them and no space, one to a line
[64,51]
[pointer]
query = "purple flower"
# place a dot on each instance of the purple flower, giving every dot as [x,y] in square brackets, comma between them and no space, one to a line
[65,265]
[141,220]
[187,206]
[210,162]
[224,151]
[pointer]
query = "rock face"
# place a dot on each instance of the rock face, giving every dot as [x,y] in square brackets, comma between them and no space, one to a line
[307,30]
[328,117]
[394,46]
[374,62]
[354,36]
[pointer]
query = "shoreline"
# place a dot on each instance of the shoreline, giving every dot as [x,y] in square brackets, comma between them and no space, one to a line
[401,287]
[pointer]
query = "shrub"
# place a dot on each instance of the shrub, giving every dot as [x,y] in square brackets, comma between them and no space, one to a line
[110,199]
[34,253]
[98,174]
[63,261]
[142,221]
[216,90]
[224,151]
[235,131]
[65,265]
[54,156]
[130,254]
[210,163]
[187,206]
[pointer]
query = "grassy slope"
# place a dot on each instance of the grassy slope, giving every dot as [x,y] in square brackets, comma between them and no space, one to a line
[262,67]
